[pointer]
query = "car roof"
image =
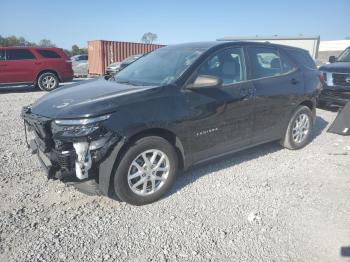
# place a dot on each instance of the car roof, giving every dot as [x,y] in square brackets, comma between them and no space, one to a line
[30,47]
[216,44]
[196,44]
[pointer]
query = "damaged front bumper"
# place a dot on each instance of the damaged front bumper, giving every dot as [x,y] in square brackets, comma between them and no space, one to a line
[71,151]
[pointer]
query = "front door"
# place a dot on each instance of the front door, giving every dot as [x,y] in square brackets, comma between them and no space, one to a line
[221,116]
[20,66]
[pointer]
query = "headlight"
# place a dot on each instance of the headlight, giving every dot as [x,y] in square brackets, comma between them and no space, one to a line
[78,131]
[72,128]
[83,121]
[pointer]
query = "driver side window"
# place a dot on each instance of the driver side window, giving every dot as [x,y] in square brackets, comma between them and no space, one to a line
[227,65]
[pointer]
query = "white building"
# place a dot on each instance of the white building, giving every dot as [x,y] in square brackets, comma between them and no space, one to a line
[334,45]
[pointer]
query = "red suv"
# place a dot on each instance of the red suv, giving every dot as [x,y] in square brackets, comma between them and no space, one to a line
[43,67]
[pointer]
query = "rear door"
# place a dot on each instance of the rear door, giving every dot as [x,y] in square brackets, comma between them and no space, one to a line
[20,66]
[56,60]
[222,116]
[278,85]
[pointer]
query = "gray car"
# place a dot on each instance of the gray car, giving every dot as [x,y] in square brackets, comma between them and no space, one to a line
[114,68]
[80,65]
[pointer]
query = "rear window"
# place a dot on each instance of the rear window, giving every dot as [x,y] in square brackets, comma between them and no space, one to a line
[19,54]
[48,54]
[79,58]
[303,58]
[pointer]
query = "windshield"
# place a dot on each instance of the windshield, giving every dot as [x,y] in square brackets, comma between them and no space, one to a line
[345,56]
[160,67]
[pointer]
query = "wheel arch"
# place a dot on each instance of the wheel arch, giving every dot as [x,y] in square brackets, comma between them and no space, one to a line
[167,135]
[309,103]
[107,169]
[47,71]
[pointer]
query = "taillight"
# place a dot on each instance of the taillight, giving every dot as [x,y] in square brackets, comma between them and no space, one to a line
[322,79]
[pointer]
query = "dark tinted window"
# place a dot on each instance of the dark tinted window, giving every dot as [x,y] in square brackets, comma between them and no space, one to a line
[2,55]
[19,54]
[287,64]
[265,62]
[48,54]
[303,58]
[227,65]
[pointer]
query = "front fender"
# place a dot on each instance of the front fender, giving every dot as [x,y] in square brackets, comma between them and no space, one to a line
[106,168]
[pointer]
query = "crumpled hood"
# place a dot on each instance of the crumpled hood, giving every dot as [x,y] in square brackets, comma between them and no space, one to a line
[87,99]
[338,67]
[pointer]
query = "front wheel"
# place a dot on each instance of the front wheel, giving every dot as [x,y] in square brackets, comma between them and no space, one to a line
[47,81]
[146,171]
[299,129]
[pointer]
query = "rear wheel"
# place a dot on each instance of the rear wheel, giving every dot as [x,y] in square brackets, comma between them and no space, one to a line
[299,129]
[47,81]
[146,171]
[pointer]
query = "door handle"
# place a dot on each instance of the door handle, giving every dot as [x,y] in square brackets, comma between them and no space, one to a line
[294,81]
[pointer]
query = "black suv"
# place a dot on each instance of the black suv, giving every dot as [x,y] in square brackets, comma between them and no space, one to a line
[174,107]
[336,91]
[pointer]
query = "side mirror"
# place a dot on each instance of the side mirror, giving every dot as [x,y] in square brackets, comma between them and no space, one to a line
[332,59]
[203,81]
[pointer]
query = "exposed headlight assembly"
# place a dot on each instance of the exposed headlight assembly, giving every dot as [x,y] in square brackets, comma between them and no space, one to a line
[72,128]
[77,131]
[83,121]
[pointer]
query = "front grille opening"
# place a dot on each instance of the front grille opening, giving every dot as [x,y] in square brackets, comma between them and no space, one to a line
[340,79]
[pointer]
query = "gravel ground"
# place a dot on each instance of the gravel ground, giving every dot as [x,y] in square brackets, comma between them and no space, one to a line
[262,204]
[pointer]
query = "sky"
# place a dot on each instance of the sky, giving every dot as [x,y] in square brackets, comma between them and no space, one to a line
[75,22]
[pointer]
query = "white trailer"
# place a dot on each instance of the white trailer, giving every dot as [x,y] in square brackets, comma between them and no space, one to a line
[309,43]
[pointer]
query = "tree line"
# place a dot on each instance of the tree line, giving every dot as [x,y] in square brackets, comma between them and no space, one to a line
[21,41]
[12,40]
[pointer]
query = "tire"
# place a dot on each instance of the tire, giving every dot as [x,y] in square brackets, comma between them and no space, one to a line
[133,169]
[291,138]
[48,81]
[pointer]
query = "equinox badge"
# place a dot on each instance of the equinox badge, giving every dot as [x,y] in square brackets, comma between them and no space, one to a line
[206,132]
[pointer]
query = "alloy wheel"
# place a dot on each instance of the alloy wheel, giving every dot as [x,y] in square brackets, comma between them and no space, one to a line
[48,82]
[301,128]
[148,172]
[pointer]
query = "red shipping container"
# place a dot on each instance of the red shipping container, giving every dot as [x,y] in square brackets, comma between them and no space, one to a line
[102,53]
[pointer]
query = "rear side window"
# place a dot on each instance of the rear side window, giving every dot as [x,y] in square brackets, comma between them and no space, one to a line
[2,55]
[303,58]
[19,54]
[287,64]
[48,54]
[268,62]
